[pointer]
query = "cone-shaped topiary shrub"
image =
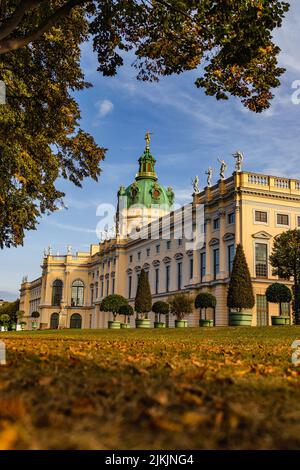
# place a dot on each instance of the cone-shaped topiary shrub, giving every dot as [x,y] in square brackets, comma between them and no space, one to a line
[143,298]
[240,291]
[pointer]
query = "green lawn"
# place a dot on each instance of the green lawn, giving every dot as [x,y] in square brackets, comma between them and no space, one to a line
[218,388]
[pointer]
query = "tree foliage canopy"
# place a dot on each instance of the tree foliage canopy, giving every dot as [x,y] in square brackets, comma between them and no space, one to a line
[126,310]
[112,303]
[181,305]
[240,291]
[161,308]
[40,135]
[278,294]
[143,298]
[205,300]
[285,260]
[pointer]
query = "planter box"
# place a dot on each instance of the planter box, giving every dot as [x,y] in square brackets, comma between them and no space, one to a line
[142,323]
[114,325]
[34,325]
[206,323]
[159,324]
[280,320]
[181,323]
[125,326]
[240,318]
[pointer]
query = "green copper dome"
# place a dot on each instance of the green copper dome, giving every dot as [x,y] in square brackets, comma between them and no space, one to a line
[146,190]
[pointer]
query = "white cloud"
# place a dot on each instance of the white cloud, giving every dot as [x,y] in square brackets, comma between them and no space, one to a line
[104,107]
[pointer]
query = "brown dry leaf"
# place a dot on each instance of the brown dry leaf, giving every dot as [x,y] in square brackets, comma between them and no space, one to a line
[8,437]
[46,380]
[192,418]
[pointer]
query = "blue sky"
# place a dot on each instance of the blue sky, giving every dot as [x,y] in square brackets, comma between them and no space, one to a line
[190,131]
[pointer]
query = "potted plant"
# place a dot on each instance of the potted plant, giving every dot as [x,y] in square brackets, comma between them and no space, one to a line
[143,302]
[4,319]
[112,303]
[23,324]
[181,305]
[204,301]
[278,294]
[160,308]
[35,315]
[240,297]
[127,311]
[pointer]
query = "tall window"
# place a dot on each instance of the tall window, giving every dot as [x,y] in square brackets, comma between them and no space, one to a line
[179,276]
[156,280]
[148,252]
[107,287]
[216,224]
[139,255]
[96,291]
[230,252]
[157,249]
[262,315]
[57,292]
[168,278]
[169,242]
[261,260]
[202,266]
[129,286]
[113,285]
[92,293]
[102,289]
[77,293]
[231,218]
[191,268]
[179,241]
[216,259]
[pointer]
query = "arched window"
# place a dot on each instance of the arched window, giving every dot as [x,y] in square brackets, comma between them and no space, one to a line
[54,320]
[77,293]
[57,288]
[75,321]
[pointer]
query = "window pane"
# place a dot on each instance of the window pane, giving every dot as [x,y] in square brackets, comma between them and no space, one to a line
[261,216]
[261,262]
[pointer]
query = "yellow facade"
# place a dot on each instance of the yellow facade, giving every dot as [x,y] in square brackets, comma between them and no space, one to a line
[246,208]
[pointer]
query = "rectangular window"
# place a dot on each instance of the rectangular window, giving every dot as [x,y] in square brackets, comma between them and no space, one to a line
[157,249]
[169,243]
[202,266]
[261,216]
[231,218]
[92,295]
[113,285]
[230,252]
[107,287]
[148,252]
[298,221]
[156,280]
[130,259]
[216,258]
[191,268]
[139,255]
[167,278]
[285,308]
[129,286]
[216,224]
[283,219]
[262,317]
[179,276]
[179,241]
[261,260]
[102,289]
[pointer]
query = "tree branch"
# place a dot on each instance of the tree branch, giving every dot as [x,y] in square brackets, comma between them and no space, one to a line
[15,19]
[17,43]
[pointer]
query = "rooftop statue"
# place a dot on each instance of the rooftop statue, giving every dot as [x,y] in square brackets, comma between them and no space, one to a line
[195,183]
[239,158]
[209,173]
[222,169]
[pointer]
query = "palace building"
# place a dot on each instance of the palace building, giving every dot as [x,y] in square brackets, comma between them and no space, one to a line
[247,208]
